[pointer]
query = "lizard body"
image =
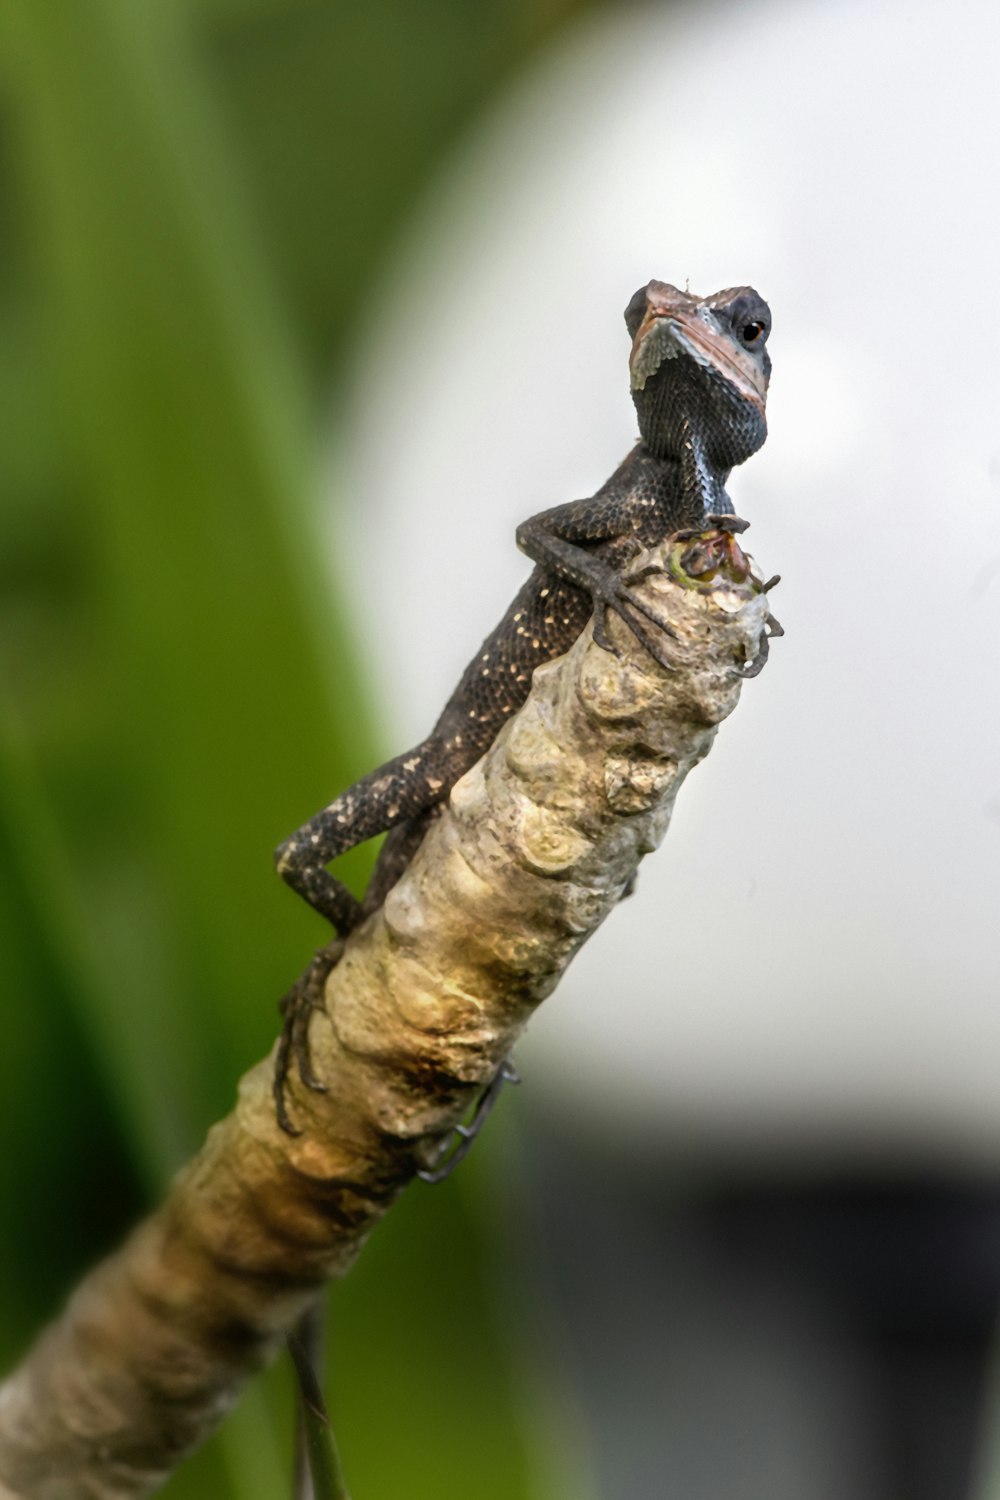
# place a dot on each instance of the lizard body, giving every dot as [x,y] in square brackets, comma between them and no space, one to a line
[699,375]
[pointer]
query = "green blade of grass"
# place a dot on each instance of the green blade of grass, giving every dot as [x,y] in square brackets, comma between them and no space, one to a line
[198,723]
[325,1468]
[199,697]
[215,651]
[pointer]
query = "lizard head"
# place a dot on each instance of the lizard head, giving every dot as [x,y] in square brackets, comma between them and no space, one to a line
[700,368]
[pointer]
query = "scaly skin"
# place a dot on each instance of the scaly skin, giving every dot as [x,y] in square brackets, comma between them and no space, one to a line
[699,374]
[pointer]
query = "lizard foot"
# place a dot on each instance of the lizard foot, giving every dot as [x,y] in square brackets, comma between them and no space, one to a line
[772,627]
[611,593]
[296,1007]
[733,524]
[458,1142]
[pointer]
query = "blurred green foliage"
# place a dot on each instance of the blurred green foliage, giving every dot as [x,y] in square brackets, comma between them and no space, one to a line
[195,196]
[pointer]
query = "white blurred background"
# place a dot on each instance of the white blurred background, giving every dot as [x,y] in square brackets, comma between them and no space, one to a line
[766,1181]
[840,851]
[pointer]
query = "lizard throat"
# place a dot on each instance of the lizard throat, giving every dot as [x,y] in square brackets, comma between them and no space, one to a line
[703,491]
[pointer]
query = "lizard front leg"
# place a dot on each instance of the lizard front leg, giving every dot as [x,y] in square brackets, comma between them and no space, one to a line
[557,540]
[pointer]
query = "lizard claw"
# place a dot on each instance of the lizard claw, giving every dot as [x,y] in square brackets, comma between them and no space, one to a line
[611,593]
[755,667]
[601,636]
[650,639]
[772,627]
[447,1158]
[733,524]
[296,1007]
[639,575]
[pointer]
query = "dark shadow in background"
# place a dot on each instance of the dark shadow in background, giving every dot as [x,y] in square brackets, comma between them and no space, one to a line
[789,1341]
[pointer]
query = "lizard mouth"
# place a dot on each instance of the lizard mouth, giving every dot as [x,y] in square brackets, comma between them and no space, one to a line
[666,333]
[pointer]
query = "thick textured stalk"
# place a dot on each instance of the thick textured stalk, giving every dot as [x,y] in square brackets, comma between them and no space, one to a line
[538,843]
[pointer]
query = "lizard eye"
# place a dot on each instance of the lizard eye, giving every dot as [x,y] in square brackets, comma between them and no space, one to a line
[753,333]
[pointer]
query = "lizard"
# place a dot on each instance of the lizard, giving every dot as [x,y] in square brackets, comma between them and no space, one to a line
[699,373]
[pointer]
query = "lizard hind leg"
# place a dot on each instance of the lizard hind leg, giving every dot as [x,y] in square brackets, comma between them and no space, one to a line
[394,858]
[392,794]
[297,1006]
[400,796]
